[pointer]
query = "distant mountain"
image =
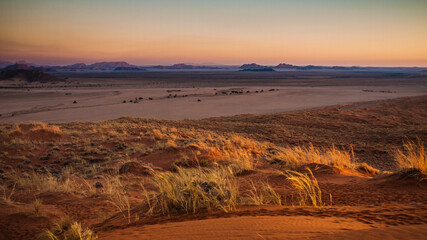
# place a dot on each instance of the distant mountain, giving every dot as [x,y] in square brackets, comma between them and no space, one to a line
[285,65]
[183,66]
[4,64]
[18,66]
[264,69]
[129,69]
[31,75]
[109,65]
[76,66]
[252,66]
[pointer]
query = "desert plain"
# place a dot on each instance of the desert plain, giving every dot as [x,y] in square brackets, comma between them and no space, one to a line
[214,155]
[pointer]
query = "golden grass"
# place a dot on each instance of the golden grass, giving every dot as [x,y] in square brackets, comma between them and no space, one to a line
[48,183]
[66,229]
[297,156]
[117,195]
[194,190]
[37,203]
[413,156]
[263,194]
[307,186]
[365,168]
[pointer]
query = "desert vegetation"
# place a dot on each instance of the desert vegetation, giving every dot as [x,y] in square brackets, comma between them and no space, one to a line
[132,170]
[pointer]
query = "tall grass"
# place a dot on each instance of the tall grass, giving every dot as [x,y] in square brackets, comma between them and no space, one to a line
[117,195]
[298,156]
[307,186]
[194,190]
[263,194]
[412,156]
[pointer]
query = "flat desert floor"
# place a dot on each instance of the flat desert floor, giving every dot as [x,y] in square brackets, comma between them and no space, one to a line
[100,96]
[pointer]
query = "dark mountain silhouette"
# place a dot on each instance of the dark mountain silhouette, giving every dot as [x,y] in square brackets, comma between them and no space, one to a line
[4,64]
[109,65]
[252,66]
[18,66]
[76,66]
[129,69]
[265,69]
[286,66]
[31,75]
[183,66]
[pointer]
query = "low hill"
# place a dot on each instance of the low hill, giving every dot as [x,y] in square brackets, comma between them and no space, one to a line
[31,75]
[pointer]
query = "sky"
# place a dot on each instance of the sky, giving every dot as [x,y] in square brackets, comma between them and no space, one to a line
[300,32]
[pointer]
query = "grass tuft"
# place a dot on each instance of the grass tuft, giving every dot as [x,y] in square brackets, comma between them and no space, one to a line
[194,190]
[308,188]
[413,156]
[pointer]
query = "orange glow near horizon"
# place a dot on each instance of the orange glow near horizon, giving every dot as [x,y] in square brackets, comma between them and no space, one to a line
[164,33]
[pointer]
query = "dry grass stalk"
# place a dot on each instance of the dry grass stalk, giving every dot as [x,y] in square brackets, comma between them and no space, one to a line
[264,194]
[308,188]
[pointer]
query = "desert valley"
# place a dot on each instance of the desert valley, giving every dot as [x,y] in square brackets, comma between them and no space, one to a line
[227,119]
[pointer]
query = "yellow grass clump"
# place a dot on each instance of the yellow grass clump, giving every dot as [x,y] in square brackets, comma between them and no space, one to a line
[413,156]
[194,190]
[307,186]
[66,229]
[298,156]
[49,183]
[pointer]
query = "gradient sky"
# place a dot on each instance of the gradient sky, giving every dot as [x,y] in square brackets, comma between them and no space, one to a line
[327,32]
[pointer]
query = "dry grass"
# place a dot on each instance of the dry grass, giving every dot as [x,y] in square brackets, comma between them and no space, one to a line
[413,156]
[194,190]
[49,183]
[118,196]
[7,197]
[308,188]
[263,194]
[66,229]
[297,156]
[37,203]
[365,168]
